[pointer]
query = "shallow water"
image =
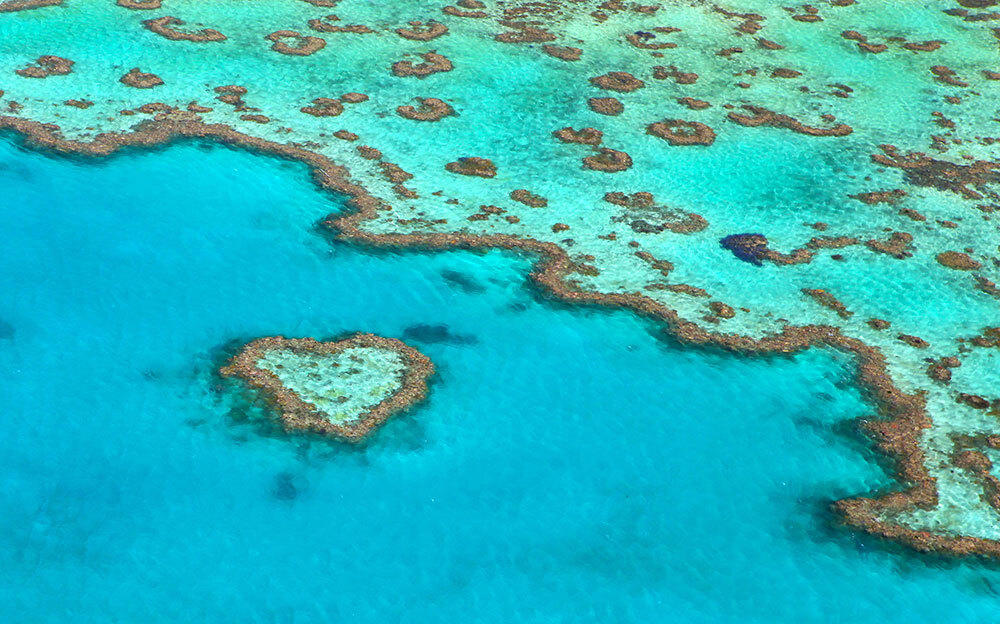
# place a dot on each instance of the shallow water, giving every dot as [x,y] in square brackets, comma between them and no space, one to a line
[571,464]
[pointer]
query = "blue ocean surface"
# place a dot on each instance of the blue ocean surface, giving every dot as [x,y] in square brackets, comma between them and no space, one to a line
[571,464]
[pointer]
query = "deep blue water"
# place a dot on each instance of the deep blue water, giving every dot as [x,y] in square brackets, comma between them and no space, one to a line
[571,464]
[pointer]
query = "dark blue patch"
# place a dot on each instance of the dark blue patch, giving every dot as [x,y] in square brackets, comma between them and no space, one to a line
[435,334]
[463,282]
[6,330]
[284,486]
[750,248]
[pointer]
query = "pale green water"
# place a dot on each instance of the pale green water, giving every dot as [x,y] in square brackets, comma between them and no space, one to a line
[341,386]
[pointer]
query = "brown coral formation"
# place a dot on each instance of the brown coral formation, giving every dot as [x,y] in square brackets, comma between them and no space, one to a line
[680,132]
[326,25]
[910,213]
[485,212]
[720,310]
[755,249]
[140,5]
[140,80]
[525,34]
[11,6]
[608,161]
[457,12]
[46,66]
[606,106]
[662,73]
[926,46]
[473,166]
[958,261]
[827,300]
[940,371]
[687,289]
[430,109]
[645,40]
[862,42]
[433,63]
[420,31]
[898,245]
[987,286]
[394,173]
[945,75]
[879,324]
[623,82]
[664,267]
[880,197]
[763,117]
[693,103]
[155,107]
[749,24]
[304,45]
[914,341]
[165,27]
[831,242]
[784,72]
[472,9]
[841,90]
[297,414]
[682,223]
[809,15]
[528,198]
[977,463]
[232,95]
[641,199]
[645,217]
[565,53]
[990,337]
[923,170]
[586,136]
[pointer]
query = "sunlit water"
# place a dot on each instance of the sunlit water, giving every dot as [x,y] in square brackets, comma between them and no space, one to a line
[570,465]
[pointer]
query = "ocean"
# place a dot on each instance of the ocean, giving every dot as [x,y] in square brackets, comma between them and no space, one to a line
[570,464]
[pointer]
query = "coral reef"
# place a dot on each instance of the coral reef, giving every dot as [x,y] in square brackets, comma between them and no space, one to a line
[304,45]
[46,66]
[762,117]
[166,27]
[10,6]
[433,63]
[292,393]
[430,109]
[140,80]
[420,31]
[608,161]
[473,166]
[680,132]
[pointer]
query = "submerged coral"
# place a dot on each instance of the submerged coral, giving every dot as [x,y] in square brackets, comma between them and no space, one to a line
[904,275]
[343,388]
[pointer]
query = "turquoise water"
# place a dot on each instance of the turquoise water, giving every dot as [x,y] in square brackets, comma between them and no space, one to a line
[570,465]
[508,98]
